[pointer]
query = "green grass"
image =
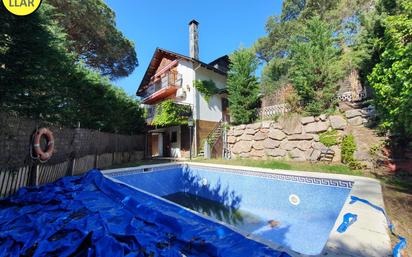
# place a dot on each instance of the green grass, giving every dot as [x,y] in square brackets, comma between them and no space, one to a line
[285,165]
[269,164]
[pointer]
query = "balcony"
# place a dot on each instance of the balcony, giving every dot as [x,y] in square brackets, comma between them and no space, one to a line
[162,87]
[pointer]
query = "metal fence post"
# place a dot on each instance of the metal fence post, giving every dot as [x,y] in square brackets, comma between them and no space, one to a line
[96,161]
[34,175]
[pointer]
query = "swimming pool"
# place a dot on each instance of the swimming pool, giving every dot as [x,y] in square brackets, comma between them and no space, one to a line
[295,210]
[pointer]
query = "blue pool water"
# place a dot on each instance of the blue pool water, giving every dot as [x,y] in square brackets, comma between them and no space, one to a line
[297,215]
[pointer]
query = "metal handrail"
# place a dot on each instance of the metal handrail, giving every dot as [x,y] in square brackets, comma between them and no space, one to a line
[208,138]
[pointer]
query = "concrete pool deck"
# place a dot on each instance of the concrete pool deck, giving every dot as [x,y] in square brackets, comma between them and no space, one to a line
[368,236]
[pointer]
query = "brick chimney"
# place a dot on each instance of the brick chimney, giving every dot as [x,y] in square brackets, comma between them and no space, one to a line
[194,39]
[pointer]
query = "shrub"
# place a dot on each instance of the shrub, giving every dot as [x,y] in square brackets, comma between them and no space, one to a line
[329,138]
[347,151]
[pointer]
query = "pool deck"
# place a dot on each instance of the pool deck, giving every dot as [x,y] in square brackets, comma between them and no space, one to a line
[367,237]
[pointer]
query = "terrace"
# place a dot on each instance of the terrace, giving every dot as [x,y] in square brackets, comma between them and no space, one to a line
[162,86]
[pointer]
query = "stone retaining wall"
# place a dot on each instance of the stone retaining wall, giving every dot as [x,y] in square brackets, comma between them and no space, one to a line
[293,138]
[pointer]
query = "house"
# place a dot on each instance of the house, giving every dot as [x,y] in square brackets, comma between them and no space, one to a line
[171,76]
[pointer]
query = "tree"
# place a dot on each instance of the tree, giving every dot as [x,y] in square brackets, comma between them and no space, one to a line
[315,66]
[243,86]
[41,79]
[391,77]
[91,27]
[346,17]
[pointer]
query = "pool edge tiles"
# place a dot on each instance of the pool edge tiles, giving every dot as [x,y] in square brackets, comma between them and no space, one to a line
[285,177]
[367,237]
[241,171]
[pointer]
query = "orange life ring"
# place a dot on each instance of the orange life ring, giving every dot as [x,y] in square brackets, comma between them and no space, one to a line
[44,156]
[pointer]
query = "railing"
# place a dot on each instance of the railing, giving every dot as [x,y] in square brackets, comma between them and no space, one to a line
[269,112]
[14,178]
[168,79]
[353,96]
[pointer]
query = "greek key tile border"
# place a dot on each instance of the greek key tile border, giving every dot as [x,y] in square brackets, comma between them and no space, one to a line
[278,176]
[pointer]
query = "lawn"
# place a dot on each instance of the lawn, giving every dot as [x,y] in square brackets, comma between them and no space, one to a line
[285,165]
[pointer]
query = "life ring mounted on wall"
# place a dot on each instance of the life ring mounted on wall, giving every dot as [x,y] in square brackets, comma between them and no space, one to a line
[43,155]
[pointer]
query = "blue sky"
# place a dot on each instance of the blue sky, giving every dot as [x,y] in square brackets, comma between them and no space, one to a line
[224,26]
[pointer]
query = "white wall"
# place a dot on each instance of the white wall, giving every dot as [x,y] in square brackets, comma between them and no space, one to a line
[186,69]
[212,110]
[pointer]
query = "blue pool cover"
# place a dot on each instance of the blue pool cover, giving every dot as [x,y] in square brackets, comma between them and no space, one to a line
[94,216]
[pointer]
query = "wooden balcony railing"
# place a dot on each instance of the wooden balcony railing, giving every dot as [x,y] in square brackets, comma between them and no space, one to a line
[163,87]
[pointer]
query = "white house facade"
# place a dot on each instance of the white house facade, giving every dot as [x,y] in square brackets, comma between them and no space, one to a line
[171,76]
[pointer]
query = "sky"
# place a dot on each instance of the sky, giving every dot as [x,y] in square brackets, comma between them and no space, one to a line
[224,26]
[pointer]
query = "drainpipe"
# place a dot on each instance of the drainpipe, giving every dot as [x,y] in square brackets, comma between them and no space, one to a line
[195,107]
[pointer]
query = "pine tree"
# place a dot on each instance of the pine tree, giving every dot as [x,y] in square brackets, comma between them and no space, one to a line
[243,86]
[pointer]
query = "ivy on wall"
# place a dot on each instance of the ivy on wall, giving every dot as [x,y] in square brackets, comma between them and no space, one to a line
[169,113]
[206,87]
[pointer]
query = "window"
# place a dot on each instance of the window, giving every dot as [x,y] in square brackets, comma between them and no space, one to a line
[174,137]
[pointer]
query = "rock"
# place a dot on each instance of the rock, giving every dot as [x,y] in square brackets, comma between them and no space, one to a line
[258,145]
[276,152]
[276,134]
[269,143]
[231,139]
[306,120]
[244,155]
[314,156]
[337,156]
[257,153]
[353,113]
[242,147]
[316,127]
[266,124]
[238,132]
[246,137]
[276,125]
[338,122]
[300,137]
[297,155]
[356,121]
[260,136]
[304,145]
[318,146]
[316,137]
[288,145]
[254,126]
[323,117]
[369,111]
[293,130]
[230,132]
[250,131]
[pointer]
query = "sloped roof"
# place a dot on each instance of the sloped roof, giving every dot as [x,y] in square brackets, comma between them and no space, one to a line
[159,54]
